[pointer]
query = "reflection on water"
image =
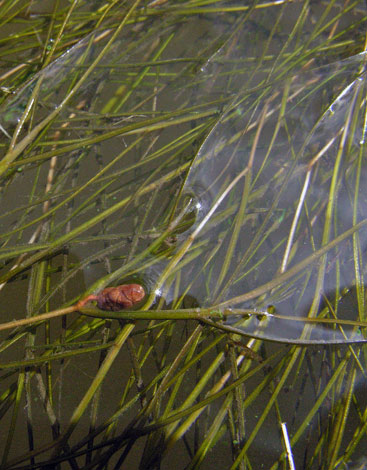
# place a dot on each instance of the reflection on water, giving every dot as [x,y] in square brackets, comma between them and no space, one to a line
[293,139]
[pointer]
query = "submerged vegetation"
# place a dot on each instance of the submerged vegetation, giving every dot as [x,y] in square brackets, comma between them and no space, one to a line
[213,153]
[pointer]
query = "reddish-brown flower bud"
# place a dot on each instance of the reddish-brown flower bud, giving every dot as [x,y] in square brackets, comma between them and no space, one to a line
[117,298]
